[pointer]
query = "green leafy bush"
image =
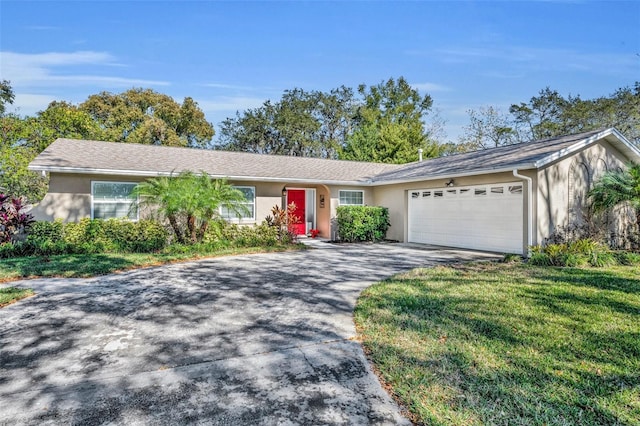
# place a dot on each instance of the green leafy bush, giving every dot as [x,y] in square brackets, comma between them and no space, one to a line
[232,235]
[362,223]
[627,258]
[87,237]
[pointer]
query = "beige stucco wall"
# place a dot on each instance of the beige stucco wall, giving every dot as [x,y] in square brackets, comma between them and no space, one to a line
[555,196]
[394,197]
[69,196]
[69,199]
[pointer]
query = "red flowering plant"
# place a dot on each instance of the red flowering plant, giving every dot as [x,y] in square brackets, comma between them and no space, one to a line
[314,233]
[14,219]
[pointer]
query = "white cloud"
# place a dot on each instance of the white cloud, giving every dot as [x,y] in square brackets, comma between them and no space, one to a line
[38,70]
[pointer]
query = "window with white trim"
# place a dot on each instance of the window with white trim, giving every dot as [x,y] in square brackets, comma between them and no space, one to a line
[113,200]
[247,209]
[351,198]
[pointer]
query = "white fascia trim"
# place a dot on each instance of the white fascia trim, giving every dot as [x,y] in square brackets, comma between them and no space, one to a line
[148,173]
[455,175]
[585,143]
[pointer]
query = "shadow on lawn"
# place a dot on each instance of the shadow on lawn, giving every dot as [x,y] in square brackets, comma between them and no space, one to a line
[67,265]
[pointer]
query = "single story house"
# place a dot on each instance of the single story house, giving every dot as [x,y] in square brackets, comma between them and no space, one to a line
[501,199]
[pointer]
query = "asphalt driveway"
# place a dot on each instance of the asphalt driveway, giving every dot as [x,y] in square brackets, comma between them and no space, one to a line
[254,339]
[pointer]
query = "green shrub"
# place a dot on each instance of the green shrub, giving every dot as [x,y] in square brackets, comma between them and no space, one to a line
[362,223]
[540,259]
[88,237]
[47,231]
[627,258]
[579,253]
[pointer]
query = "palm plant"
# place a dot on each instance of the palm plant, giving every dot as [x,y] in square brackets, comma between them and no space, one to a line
[189,201]
[617,187]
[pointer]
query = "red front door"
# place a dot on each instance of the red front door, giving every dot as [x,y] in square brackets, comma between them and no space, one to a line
[297,196]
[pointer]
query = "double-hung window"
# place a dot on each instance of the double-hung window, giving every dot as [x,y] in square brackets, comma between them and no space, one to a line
[246,211]
[351,198]
[113,200]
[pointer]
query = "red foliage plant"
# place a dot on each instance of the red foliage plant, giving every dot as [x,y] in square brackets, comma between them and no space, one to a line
[13,217]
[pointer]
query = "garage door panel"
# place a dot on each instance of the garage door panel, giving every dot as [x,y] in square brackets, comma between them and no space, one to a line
[486,217]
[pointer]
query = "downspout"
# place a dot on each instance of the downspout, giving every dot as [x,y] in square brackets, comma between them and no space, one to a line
[529,207]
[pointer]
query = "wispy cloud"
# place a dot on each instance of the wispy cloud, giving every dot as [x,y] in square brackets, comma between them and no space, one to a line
[430,87]
[543,58]
[38,70]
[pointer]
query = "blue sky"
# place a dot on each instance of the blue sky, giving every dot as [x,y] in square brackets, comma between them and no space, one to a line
[231,56]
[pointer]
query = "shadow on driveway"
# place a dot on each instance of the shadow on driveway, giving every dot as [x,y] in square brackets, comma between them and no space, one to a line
[254,339]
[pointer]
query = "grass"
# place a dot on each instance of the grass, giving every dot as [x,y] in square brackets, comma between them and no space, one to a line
[87,265]
[508,344]
[8,295]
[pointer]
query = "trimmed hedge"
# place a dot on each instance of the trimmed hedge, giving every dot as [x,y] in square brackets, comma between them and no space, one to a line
[362,223]
[89,236]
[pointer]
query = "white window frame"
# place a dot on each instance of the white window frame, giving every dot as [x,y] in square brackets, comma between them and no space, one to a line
[350,190]
[94,201]
[236,219]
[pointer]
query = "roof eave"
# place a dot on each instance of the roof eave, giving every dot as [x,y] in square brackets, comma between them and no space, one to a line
[150,173]
[625,146]
[509,169]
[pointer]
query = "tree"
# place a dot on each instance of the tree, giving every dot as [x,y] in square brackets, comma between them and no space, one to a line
[6,95]
[617,187]
[60,120]
[488,128]
[147,117]
[301,123]
[549,114]
[189,202]
[15,155]
[389,125]
[22,139]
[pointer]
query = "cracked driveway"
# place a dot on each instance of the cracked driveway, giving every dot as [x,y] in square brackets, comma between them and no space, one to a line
[252,339]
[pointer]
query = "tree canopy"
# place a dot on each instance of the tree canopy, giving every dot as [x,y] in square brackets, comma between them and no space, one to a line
[148,117]
[6,95]
[389,126]
[382,123]
[549,114]
[136,116]
[301,123]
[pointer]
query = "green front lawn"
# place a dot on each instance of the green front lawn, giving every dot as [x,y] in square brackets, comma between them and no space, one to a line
[9,295]
[87,265]
[508,344]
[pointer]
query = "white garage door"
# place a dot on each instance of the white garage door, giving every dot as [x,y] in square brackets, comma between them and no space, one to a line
[483,217]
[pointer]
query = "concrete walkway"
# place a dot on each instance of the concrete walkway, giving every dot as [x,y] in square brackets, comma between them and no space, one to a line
[257,339]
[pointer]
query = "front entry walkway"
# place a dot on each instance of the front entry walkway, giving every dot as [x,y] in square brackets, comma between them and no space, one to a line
[255,339]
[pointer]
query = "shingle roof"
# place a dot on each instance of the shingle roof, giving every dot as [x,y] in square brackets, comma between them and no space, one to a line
[81,156]
[78,156]
[523,155]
